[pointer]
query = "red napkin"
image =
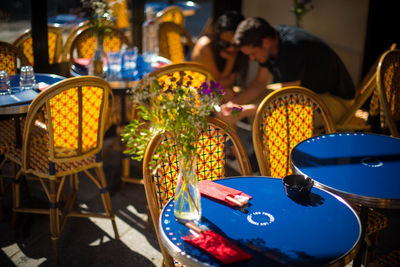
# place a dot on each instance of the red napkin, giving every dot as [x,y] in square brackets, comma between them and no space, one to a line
[218,246]
[82,61]
[223,193]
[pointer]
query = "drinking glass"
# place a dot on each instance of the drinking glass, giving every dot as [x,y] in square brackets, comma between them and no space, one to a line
[27,78]
[5,86]
[129,64]
[114,62]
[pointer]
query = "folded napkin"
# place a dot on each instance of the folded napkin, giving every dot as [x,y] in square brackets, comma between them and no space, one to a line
[226,194]
[42,86]
[218,246]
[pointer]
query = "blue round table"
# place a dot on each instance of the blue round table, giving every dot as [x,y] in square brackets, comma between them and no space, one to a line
[318,230]
[363,168]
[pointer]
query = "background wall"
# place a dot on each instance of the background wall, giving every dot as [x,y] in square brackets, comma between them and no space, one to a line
[341,23]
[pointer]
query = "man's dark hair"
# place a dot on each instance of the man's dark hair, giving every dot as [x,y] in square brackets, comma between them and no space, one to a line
[252,31]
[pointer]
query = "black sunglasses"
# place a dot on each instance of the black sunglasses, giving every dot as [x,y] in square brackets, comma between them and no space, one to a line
[224,44]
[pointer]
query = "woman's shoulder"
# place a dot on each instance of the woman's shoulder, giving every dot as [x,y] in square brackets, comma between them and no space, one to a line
[201,48]
[204,41]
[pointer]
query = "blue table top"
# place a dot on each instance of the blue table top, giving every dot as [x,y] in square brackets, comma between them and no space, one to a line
[274,228]
[19,97]
[185,5]
[364,167]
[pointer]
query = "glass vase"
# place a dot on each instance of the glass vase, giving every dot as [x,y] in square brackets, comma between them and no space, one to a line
[187,194]
[96,64]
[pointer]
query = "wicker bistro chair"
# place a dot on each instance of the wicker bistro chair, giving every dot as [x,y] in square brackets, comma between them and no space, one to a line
[68,142]
[24,42]
[283,119]
[199,74]
[171,46]
[11,57]
[355,119]
[211,148]
[83,43]
[172,14]
[388,88]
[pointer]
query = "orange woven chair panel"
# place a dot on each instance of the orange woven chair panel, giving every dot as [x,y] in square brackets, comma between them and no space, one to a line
[7,134]
[211,148]
[52,42]
[170,41]
[8,58]
[85,42]
[65,111]
[287,120]
[191,78]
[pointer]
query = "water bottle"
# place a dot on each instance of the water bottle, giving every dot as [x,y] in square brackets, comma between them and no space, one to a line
[150,32]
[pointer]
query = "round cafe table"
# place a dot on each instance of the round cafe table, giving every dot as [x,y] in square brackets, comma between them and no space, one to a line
[363,168]
[276,230]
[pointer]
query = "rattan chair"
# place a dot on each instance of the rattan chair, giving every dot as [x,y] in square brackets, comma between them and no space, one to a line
[283,119]
[11,57]
[160,184]
[172,14]
[199,74]
[82,44]
[69,141]
[24,42]
[174,41]
[356,119]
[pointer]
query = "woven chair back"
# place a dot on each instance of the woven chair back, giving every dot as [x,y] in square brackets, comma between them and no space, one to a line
[283,119]
[172,14]
[195,72]
[54,35]
[75,112]
[212,146]
[388,85]
[171,46]
[9,57]
[84,43]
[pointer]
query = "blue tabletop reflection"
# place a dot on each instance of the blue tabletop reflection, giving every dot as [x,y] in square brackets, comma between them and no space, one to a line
[19,96]
[366,165]
[275,229]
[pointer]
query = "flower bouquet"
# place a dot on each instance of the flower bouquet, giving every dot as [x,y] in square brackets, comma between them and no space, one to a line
[178,108]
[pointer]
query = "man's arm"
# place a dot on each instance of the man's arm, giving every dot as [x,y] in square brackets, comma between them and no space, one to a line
[256,88]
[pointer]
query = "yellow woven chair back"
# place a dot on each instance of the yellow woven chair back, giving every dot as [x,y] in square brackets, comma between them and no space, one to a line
[212,146]
[75,112]
[172,14]
[84,43]
[54,35]
[283,119]
[195,72]
[170,42]
[388,85]
[9,56]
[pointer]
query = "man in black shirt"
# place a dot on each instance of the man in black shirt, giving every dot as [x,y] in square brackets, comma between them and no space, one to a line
[293,57]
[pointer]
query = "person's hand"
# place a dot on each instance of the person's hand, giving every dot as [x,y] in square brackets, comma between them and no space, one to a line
[229,95]
[229,113]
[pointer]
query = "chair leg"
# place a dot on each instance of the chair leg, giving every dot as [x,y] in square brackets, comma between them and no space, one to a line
[54,218]
[125,173]
[105,196]
[16,197]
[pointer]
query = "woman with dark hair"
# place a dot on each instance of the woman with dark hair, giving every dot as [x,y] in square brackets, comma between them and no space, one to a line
[218,54]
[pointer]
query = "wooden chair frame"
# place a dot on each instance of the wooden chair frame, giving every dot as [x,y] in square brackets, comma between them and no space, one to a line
[53,182]
[164,46]
[383,91]
[363,92]
[171,10]
[262,158]
[150,189]
[51,29]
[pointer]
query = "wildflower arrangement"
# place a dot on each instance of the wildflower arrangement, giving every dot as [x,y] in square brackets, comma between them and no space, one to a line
[100,14]
[301,7]
[173,106]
